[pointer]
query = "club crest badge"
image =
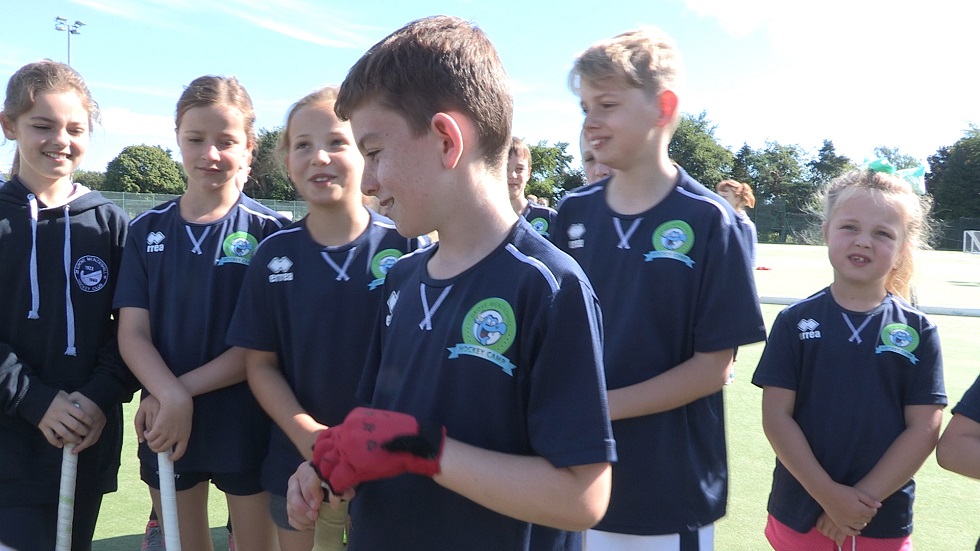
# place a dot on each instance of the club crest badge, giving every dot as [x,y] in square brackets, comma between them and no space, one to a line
[672,240]
[488,331]
[91,273]
[380,264]
[238,248]
[900,339]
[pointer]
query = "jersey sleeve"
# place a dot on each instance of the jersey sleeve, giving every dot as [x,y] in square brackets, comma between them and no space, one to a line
[253,323]
[133,282]
[970,403]
[928,387]
[779,365]
[568,414]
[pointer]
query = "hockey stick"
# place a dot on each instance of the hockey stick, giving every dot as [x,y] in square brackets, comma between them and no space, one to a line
[168,501]
[66,497]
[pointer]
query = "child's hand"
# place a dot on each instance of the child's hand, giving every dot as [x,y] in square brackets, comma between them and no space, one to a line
[97,423]
[850,509]
[303,497]
[64,421]
[145,415]
[172,424]
[827,527]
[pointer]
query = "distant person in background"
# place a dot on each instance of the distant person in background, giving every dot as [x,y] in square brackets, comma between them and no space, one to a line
[594,170]
[852,380]
[959,447]
[740,196]
[540,216]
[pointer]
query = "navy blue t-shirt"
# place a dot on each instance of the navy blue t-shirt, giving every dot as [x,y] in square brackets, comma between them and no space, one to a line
[315,307]
[541,218]
[853,373]
[507,356]
[188,277]
[672,281]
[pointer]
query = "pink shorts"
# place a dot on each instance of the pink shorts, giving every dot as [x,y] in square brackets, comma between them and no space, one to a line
[784,538]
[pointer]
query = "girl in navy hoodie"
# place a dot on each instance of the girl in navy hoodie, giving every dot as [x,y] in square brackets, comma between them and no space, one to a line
[61,377]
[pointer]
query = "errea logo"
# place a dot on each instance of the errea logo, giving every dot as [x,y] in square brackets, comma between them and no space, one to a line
[808,329]
[576,232]
[154,242]
[280,267]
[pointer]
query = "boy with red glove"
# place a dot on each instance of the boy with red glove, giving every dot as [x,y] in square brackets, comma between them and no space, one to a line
[492,335]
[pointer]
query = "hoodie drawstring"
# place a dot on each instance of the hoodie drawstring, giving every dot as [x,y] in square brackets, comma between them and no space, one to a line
[69,307]
[35,292]
[35,299]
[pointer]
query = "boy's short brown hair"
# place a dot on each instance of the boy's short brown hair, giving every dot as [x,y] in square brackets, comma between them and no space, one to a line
[645,58]
[520,149]
[434,65]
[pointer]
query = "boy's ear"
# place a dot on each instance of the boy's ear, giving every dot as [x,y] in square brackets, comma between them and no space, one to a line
[446,128]
[667,103]
[823,230]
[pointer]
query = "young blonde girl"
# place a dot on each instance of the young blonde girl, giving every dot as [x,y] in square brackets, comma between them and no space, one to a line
[182,273]
[61,378]
[852,380]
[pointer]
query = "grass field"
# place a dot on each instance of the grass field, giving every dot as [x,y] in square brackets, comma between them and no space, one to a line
[947,508]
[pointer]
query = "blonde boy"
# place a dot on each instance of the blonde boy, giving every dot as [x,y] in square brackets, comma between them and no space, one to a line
[490,337]
[673,277]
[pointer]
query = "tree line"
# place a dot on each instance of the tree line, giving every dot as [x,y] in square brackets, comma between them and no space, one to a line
[783,174]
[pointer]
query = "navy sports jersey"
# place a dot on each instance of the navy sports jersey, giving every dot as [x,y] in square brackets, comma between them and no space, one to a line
[541,218]
[188,277]
[507,356]
[672,281]
[315,307]
[853,374]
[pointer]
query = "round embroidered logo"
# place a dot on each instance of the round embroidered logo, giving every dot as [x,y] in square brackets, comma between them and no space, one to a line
[900,336]
[383,261]
[540,225]
[91,273]
[238,247]
[490,324]
[675,236]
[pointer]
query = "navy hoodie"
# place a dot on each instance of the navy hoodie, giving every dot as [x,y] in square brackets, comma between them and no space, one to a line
[58,269]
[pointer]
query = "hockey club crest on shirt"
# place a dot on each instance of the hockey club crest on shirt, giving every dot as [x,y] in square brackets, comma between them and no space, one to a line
[380,264]
[91,273]
[540,225]
[488,331]
[280,267]
[672,240]
[808,329]
[575,234]
[154,242]
[900,339]
[238,248]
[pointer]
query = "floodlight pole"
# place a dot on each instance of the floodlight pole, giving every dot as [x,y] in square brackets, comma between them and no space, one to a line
[62,24]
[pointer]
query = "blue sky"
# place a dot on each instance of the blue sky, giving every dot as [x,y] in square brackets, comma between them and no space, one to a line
[863,73]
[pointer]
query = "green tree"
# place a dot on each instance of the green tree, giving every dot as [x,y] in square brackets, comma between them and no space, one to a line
[828,165]
[778,172]
[144,169]
[895,157]
[269,178]
[89,178]
[954,188]
[695,148]
[551,171]
[741,165]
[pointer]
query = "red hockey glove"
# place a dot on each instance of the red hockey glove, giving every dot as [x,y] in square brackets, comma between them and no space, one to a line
[372,444]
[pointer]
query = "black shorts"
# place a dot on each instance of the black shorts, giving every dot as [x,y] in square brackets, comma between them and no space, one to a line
[236,484]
